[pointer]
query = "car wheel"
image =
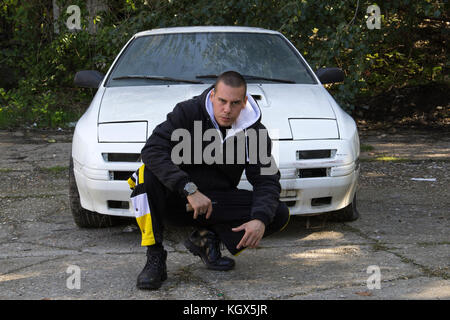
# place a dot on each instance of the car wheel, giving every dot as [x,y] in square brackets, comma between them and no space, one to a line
[84,218]
[346,214]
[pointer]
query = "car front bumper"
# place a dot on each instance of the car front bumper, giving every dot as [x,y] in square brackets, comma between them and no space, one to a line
[309,186]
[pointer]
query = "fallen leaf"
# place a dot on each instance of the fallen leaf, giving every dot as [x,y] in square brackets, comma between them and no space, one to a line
[364,293]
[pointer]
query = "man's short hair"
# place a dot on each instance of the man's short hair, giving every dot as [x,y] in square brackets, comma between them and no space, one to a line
[233,79]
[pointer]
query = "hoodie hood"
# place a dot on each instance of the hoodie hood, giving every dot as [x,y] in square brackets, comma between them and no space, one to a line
[250,115]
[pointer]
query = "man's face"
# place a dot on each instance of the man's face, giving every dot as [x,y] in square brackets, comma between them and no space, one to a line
[227,103]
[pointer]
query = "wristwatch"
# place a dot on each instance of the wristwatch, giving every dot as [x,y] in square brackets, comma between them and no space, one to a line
[189,189]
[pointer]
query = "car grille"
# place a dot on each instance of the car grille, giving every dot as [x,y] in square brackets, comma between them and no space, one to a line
[120,175]
[312,173]
[317,202]
[289,197]
[315,154]
[113,204]
[121,157]
[290,203]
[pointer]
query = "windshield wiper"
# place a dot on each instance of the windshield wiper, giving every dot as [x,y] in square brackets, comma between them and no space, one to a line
[206,76]
[247,77]
[137,76]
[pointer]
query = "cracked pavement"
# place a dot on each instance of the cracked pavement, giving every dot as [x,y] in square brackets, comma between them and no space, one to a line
[403,231]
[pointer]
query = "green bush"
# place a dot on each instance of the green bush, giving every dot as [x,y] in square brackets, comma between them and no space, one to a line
[41,64]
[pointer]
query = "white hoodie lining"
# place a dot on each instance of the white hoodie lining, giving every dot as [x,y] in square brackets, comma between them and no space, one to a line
[248,116]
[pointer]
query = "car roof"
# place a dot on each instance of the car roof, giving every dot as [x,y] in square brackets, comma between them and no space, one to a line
[204,29]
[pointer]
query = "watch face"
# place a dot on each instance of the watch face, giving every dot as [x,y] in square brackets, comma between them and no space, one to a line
[190,187]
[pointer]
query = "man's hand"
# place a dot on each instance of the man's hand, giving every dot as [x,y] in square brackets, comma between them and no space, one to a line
[200,203]
[254,231]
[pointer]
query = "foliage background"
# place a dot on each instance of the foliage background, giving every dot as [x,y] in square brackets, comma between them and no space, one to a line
[38,65]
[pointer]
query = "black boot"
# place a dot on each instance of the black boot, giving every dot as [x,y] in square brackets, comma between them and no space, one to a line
[155,270]
[206,245]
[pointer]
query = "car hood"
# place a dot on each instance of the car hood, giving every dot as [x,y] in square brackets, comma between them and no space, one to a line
[279,104]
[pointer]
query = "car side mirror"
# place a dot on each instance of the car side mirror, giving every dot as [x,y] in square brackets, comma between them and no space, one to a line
[88,78]
[330,75]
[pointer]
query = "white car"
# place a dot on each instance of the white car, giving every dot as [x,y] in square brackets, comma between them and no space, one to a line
[315,141]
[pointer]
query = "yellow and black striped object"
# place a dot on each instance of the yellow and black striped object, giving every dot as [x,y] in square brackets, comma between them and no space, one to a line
[141,208]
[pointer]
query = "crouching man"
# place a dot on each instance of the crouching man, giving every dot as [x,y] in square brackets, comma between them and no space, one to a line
[193,163]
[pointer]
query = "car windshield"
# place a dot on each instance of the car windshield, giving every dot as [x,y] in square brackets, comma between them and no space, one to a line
[199,57]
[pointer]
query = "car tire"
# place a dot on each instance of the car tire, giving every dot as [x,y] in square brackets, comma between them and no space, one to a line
[84,218]
[346,214]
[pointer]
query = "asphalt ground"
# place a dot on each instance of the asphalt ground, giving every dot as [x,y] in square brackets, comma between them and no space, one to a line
[398,249]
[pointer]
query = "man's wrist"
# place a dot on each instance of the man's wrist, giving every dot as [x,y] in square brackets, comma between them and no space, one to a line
[263,218]
[189,189]
[180,185]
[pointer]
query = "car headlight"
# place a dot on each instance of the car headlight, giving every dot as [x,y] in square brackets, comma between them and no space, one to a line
[306,129]
[123,132]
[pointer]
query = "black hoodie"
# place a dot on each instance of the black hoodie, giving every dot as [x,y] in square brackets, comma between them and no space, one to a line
[197,113]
